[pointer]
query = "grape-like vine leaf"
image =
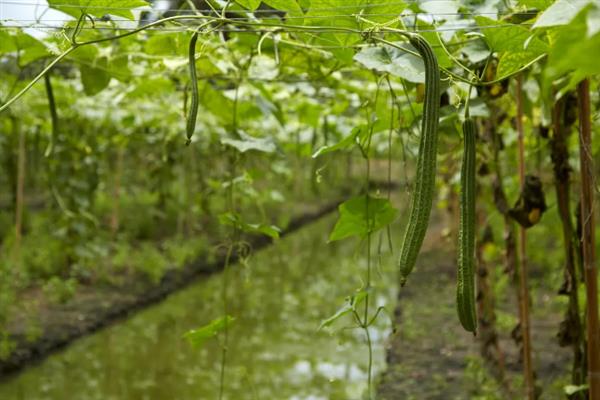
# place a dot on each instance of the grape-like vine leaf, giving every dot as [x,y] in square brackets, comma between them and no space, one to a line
[395,61]
[197,337]
[355,220]
[350,305]
[234,219]
[97,8]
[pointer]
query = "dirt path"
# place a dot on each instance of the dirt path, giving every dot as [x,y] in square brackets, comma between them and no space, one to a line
[432,357]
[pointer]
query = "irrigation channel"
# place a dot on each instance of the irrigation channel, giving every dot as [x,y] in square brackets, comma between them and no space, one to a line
[279,298]
[276,351]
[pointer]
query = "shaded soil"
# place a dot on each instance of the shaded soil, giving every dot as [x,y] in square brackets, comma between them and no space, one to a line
[432,357]
[95,307]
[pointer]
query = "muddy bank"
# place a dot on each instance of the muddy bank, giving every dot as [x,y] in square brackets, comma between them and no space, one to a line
[432,357]
[96,307]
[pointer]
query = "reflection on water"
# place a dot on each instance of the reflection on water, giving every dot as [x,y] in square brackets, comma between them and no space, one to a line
[275,351]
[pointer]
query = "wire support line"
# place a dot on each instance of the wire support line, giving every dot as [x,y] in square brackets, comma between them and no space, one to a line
[265,29]
[357,6]
[265,11]
[292,17]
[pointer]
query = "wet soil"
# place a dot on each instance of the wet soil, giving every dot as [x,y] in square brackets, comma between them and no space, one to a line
[432,357]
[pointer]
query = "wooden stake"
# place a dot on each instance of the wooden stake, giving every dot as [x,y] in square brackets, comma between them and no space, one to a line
[522,261]
[588,238]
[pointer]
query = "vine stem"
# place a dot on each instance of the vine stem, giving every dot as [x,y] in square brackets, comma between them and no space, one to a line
[562,183]
[226,328]
[230,201]
[588,238]
[522,259]
[365,323]
[39,76]
[222,20]
[20,189]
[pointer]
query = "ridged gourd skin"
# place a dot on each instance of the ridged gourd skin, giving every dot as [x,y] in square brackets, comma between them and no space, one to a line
[193,113]
[424,186]
[465,288]
[53,112]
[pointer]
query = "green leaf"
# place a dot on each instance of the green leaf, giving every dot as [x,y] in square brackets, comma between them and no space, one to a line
[29,48]
[97,8]
[247,143]
[290,6]
[395,61]
[7,44]
[515,44]
[350,305]
[593,21]
[439,7]
[162,44]
[476,51]
[572,389]
[197,337]
[269,230]
[234,219]
[333,13]
[537,4]
[571,52]
[249,4]
[95,77]
[354,220]
[380,12]
[511,62]
[345,309]
[508,37]
[345,143]
[560,13]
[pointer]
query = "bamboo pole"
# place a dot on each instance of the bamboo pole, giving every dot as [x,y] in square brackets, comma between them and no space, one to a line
[588,239]
[522,259]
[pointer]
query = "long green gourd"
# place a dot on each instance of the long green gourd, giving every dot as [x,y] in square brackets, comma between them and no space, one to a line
[193,113]
[53,114]
[424,186]
[465,288]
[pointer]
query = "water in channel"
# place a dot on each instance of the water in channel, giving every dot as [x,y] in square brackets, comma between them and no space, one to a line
[275,350]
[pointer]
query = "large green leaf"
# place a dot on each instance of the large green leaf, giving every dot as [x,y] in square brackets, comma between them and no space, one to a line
[593,20]
[516,45]
[354,219]
[249,4]
[348,141]
[536,4]
[95,77]
[572,52]
[197,337]
[290,6]
[94,69]
[561,13]
[393,60]
[29,48]
[336,14]
[476,51]
[97,8]
[7,44]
